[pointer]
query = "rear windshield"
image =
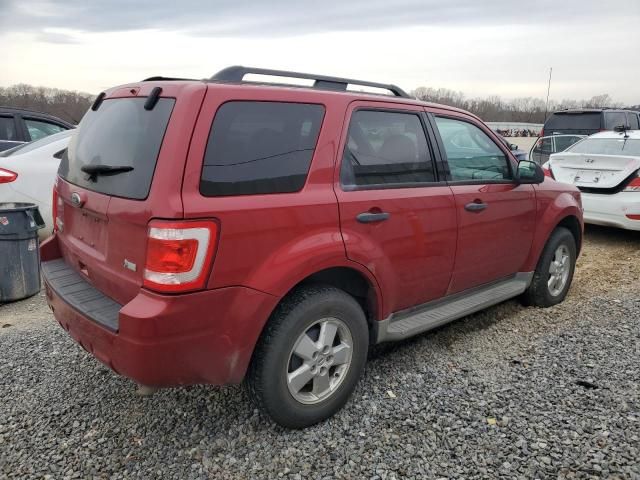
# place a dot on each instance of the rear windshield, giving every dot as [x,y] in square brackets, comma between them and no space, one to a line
[607,146]
[573,121]
[260,147]
[121,133]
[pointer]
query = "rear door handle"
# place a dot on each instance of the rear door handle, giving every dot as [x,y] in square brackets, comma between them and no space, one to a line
[475,207]
[368,217]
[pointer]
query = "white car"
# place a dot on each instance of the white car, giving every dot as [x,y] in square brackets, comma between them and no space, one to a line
[27,174]
[606,169]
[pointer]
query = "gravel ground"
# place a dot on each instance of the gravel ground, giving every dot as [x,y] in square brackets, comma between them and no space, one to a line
[511,392]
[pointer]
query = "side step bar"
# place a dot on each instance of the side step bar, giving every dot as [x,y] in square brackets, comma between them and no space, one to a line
[407,323]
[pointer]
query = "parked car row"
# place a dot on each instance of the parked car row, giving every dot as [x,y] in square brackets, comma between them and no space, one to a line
[28,172]
[18,126]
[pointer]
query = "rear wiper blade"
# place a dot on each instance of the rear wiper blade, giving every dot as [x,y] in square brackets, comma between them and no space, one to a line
[94,170]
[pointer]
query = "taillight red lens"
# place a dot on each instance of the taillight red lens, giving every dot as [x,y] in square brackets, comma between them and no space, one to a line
[171,256]
[179,255]
[541,133]
[634,185]
[7,176]
[546,169]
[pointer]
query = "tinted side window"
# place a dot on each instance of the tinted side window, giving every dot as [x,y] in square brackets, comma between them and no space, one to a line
[260,147]
[471,154]
[614,119]
[8,129]
[633,121]
[386,148]
[39,129]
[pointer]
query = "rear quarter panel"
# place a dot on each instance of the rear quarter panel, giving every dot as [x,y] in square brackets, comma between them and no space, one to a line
[270,242]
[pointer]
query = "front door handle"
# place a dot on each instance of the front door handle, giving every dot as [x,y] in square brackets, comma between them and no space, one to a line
[475,206]
[369,217]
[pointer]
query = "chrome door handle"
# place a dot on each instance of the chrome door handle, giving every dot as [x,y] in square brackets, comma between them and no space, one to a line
[475,207]
[369,217]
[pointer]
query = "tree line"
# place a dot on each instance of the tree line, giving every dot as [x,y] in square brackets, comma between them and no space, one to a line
[71,105]
[65,104]
[495,109]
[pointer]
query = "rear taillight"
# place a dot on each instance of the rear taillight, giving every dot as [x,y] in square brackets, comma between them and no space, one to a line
[179,254]
[541,133]
[546,169]
[57,208]
[633,186]
[7,176]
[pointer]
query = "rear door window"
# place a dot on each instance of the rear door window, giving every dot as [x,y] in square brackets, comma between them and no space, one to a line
[471,154]
[633,121]
[386,149]
[120,133]
[260,147]
[39,129]
[614,119]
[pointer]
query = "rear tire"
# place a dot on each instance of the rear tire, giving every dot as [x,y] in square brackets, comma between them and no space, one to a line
[554,272]
[310,357]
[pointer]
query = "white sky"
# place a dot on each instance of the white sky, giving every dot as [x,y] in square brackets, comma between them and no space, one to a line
[591,56]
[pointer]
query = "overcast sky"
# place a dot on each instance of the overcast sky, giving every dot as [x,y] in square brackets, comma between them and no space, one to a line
[480,47]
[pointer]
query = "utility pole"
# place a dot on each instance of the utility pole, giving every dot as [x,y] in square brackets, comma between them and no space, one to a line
[546,107]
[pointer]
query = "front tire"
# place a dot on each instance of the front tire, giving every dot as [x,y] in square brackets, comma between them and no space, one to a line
[554,272]
[310,356]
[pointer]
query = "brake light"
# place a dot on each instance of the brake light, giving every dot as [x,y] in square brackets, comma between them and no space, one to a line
[179,255]
[541,133]
[634,185]
[546,169]
[7,176]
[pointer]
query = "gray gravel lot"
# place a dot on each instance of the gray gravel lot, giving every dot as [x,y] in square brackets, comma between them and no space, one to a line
[511,392]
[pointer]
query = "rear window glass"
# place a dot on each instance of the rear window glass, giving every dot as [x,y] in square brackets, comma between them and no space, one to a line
[260,147]
[573,121]
[607,146]
[633,121]
[121,133]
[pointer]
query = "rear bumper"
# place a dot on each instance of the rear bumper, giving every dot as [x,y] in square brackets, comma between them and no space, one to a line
[161,340]
[612,210]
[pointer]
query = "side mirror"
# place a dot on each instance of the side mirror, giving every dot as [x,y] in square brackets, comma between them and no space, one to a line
[513,147]
[529,172]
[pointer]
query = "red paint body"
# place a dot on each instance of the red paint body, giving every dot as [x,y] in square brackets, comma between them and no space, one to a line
[429,248]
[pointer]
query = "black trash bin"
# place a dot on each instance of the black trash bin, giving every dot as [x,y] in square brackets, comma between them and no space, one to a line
[19,252]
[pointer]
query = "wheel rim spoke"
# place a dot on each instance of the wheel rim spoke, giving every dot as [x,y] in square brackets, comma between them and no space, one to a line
[305,347]
[300,377]
[321,384]
[341,354]
[328,332]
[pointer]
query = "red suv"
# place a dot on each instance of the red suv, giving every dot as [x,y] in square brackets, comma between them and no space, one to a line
[223,230]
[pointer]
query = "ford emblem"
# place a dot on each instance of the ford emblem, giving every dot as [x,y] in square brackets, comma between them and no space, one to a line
[76,200]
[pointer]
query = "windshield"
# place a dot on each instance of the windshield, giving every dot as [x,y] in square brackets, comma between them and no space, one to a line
[607,146]
[27,147]
[120,133]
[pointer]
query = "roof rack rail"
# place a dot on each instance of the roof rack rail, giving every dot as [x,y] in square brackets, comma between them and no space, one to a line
[323,82]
